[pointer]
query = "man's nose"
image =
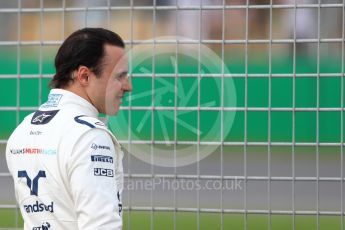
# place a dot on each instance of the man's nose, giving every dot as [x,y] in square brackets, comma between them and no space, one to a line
[127,85]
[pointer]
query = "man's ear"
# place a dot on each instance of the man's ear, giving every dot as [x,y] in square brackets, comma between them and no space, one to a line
[82,75]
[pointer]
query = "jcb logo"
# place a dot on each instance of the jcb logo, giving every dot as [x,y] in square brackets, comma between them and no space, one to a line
[103,172]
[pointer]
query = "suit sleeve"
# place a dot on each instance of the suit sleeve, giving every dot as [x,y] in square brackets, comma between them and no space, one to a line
[91,174]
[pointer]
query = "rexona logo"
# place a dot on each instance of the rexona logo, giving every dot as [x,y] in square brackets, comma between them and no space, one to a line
[103,172]
[39,207]
[95,147]
[101,158]
[45,226]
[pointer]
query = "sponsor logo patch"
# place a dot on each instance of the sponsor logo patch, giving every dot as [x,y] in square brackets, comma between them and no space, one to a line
[95,146]
[39,207]
[99,123]
[35,133]
[120,203]
[32,184]
[103,172]
[33,151]
[101,158]
[44,226]
[43,117]
[53,101]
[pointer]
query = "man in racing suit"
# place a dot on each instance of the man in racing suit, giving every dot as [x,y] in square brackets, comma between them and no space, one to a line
[65,163]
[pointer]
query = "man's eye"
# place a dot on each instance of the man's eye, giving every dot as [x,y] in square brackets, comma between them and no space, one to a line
[120,76]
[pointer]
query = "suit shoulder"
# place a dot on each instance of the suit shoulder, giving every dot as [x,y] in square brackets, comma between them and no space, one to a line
[89,122]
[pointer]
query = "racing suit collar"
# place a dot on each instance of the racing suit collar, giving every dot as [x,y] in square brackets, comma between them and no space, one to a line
[61,97]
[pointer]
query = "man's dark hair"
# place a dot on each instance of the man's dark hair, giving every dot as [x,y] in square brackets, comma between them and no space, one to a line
[83,47]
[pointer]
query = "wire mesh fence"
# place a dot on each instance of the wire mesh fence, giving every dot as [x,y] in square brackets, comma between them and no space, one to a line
[236,117]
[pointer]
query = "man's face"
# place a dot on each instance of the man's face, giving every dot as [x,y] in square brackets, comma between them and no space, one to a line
[106,91]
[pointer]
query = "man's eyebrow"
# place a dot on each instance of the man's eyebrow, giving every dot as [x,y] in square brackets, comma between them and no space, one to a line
[121,74]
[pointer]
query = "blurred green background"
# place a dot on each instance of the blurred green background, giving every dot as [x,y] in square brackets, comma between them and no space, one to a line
[310,92]
[328,93]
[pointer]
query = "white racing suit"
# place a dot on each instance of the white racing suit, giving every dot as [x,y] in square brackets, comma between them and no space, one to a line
[67,167]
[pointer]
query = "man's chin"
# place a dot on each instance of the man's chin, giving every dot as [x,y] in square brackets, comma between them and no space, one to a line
[112,111]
